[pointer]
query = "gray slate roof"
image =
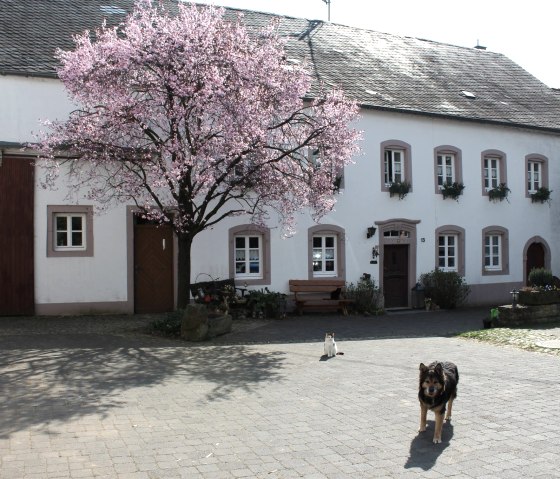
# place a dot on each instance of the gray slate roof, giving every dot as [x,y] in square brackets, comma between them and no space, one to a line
[379,70]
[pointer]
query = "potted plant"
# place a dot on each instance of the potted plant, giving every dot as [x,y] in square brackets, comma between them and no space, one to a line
[541,289]
[452,190]
[400,188]
[541,195]
[264,303]
[500,192]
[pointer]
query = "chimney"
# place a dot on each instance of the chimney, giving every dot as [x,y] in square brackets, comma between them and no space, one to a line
[479,46]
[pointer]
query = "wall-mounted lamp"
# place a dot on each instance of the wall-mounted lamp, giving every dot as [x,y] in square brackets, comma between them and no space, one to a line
[371,231]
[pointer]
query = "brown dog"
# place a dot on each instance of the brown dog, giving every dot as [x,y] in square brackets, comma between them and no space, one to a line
[438,389]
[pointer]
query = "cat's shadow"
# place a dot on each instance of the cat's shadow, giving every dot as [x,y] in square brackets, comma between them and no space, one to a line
[324,357]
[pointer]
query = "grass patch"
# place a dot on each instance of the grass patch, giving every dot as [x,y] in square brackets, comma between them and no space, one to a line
[521,338]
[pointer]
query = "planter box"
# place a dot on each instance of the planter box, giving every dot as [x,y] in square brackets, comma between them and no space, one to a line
[533,298]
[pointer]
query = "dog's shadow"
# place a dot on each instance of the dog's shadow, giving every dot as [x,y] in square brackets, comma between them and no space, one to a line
[324,357]
[423,452]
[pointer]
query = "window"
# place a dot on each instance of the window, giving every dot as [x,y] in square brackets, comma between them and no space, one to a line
[448,166]
[249,254]
[396,166]
[337,174]
[536,173]
[445,169]
[326,252]
[534,176]
[324,255]
[447,252]
[491,173]
[450,249]
[69,230]
[396,234]
[493,170]
[495,250]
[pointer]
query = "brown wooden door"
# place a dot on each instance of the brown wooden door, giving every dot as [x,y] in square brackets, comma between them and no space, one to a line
[153,269]
[535,258]
[395,275]
[17,276]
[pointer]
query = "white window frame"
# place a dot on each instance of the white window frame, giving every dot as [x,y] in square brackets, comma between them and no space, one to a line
[392,164]
[248,260]
[446,256]
[69,232]
[322,254]
[534,175]
[492,172]
[493,252]
[442,169]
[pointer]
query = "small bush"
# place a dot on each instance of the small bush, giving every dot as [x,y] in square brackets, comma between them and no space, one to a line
[540,277]
[366,296]
[169,325]
[447,289]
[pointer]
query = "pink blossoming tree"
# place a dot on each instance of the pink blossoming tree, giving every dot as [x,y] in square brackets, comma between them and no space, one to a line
[193,120]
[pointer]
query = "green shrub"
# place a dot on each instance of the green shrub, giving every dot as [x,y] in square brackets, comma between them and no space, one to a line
[366,296]
[447,289]
[168,325]
[540,277]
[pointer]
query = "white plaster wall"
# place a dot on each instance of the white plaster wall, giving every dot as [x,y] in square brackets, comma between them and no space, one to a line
[28,100]
[103,277]
[362,202]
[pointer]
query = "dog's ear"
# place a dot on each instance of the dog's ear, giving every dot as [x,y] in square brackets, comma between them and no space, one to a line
[423,367]
[439,369]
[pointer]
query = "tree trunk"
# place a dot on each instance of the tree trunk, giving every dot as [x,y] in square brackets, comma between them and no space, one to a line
[184,270]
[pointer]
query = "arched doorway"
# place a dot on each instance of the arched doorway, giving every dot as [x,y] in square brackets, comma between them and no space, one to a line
[537,255]
[535,258]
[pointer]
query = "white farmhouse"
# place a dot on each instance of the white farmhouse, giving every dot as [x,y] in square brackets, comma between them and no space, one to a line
[431,114]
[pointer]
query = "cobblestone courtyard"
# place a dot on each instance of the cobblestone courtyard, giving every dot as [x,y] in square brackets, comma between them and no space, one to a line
[95,398]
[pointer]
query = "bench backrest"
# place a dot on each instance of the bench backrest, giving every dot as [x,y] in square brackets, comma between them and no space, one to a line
[315,285]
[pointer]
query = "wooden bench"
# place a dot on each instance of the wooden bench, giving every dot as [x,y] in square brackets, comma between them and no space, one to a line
[320,295]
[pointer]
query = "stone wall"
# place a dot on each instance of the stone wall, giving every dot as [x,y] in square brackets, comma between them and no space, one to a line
[523,315]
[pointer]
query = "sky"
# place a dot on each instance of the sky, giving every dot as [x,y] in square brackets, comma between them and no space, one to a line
[526,32]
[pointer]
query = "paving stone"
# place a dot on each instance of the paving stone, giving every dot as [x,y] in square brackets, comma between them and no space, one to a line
[95,397]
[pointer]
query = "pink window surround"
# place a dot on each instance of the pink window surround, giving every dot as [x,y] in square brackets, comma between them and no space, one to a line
[460,246]
[543,160]
[456,152]
[504,233]
[253,230]
[86,210]
[407,166]
[338,233]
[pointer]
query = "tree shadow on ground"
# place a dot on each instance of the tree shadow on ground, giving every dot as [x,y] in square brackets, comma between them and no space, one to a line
[50,378]
[423,452]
